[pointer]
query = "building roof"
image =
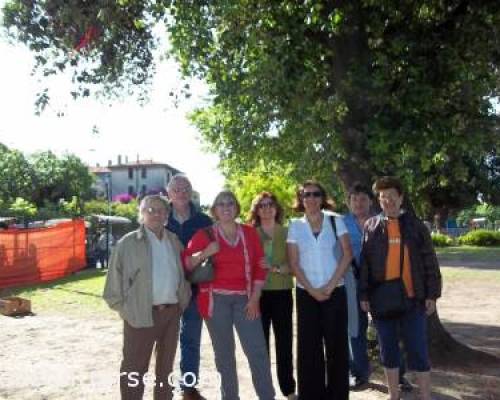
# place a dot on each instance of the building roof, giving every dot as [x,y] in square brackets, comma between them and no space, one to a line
[99,170]
[143,163]
[136,164]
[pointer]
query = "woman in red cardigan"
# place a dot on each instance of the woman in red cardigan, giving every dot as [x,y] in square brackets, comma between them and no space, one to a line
[232,298]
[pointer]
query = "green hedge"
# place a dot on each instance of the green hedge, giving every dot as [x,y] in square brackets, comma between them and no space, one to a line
[440,240]
[480,237]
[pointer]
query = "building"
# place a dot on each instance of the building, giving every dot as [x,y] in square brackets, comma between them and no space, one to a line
[135,178]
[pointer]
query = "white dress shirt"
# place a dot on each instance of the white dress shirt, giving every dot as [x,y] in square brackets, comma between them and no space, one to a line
[316,255]
[165,273]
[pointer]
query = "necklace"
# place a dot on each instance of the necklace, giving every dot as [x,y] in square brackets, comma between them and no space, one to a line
[229,234]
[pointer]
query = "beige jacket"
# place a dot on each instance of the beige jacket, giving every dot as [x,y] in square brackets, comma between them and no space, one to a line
[129,283]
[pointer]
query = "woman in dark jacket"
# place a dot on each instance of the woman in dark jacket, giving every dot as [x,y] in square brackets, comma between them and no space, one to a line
[385,235]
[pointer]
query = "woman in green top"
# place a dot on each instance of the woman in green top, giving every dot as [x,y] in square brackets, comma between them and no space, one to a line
[276,301]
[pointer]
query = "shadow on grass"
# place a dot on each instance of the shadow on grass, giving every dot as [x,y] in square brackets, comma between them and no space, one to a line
[79,276]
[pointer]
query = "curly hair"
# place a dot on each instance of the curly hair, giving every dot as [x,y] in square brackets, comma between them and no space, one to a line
[254,210]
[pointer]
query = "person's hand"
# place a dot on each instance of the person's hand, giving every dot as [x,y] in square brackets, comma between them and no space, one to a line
[365,305]
[211,249]
[253,308]
[275,269]
[430,306]
[319,294]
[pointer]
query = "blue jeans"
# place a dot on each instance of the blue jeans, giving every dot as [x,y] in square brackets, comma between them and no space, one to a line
[358,346]
[190,339]
[412,329]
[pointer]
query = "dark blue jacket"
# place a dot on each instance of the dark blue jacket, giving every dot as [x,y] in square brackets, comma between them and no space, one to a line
[188,228]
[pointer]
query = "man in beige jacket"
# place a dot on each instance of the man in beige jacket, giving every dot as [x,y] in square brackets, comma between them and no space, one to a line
[146,286]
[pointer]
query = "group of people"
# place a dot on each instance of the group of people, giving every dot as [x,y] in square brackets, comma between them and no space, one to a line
[336,262]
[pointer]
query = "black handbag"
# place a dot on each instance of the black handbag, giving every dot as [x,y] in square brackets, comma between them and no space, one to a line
[204,272]
[388,300]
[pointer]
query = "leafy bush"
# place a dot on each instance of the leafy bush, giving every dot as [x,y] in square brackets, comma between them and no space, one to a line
[129,210]
[96,207]
[22,208]
[480,237]
[440,240]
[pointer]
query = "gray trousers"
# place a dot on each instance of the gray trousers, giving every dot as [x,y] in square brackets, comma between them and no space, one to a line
[229,311]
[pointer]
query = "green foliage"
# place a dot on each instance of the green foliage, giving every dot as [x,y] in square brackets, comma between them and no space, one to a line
[16,175]
[440,240]
[129,210]
[480,237]
[98,207]
[22,209]
[71,208]
[97,42]
[488,211]
[269,177]
[342,91]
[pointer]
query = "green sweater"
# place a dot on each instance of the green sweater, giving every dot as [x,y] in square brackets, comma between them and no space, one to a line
[275,250]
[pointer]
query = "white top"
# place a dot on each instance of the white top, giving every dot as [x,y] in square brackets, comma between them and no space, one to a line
[165,273]
[316,257]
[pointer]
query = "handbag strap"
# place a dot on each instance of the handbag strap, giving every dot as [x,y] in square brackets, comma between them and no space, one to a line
[401,252]
[334,226]
[210,234]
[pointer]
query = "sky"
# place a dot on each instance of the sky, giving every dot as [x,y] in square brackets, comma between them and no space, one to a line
[158,131]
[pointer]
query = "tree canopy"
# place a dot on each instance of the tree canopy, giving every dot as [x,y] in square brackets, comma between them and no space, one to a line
[347,89]
[42,177]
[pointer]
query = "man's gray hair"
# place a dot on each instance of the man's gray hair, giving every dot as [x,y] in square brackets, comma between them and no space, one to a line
[146,202]
[177,178]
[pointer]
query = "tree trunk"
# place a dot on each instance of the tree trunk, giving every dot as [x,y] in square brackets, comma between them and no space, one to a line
[440,218]
[445,351]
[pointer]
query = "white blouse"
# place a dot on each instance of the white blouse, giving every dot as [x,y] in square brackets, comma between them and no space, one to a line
[316,255]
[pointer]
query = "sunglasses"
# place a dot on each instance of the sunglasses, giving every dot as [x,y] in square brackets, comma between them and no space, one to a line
[305,195]
[269,204]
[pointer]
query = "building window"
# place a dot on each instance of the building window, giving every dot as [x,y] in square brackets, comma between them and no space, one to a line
[143,189]
[130,190]
[130,173]
[143,173]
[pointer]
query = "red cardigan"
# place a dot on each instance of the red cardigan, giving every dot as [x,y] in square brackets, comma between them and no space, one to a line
[230,274]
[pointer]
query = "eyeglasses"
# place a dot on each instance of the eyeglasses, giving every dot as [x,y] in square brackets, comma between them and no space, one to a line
[225,204]
[267,204]
[158,211]
[305,195]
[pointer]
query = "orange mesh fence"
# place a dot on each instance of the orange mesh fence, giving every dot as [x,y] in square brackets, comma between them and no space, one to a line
[29,256]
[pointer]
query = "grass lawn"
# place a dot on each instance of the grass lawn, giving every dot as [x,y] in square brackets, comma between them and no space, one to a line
[469,274]
[80,293]
[469,253]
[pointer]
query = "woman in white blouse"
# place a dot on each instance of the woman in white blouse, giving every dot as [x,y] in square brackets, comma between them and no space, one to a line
[321,297]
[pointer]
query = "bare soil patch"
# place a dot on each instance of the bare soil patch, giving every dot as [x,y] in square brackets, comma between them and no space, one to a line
[54,355]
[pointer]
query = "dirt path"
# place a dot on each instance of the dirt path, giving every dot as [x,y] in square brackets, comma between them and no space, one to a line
[51,356]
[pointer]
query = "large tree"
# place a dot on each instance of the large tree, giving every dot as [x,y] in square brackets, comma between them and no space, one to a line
[57,178]
[337,88]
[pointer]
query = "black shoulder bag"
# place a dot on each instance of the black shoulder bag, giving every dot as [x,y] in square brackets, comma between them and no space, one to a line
[204,272]
[388,300]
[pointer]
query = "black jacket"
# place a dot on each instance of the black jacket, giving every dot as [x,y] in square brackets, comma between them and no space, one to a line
[415,235]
